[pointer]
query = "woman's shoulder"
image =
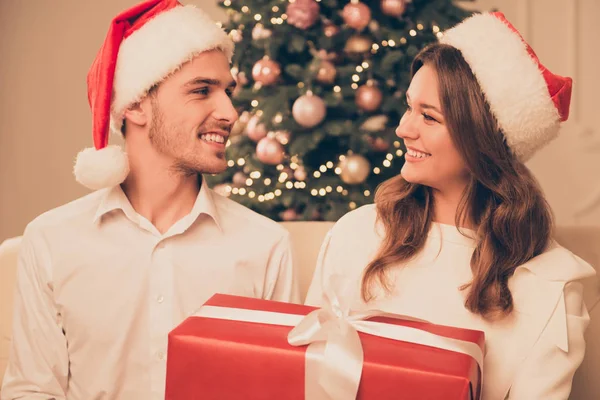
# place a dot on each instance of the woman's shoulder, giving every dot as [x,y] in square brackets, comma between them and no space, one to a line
[557,264]
[363,218]
[357,230]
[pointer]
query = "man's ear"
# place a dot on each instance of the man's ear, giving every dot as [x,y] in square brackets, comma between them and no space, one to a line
[139,113]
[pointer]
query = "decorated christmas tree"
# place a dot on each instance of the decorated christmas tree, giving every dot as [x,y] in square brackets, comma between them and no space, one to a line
[321,89]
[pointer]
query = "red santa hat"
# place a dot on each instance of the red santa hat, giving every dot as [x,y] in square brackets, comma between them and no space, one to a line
[144,45]
[528,101]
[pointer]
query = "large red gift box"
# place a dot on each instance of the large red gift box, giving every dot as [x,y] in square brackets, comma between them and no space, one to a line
[222,359]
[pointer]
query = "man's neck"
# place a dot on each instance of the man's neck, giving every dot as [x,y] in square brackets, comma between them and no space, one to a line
[160,194]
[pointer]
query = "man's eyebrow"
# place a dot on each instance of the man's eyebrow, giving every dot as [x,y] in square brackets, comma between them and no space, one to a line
[208,81]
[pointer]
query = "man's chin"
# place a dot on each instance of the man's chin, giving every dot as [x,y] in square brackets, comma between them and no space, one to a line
[213,168]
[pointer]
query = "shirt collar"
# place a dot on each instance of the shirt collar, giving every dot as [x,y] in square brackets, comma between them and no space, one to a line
[115,199]
[205,204]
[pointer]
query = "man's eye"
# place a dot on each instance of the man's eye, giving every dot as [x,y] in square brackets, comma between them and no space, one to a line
[203,91]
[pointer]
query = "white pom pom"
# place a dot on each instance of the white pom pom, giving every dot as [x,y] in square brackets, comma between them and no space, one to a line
[97,169]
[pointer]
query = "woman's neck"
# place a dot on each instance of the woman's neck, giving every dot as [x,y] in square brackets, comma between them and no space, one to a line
[445,208]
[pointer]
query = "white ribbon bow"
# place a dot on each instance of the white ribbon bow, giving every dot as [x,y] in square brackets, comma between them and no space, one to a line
[334,357]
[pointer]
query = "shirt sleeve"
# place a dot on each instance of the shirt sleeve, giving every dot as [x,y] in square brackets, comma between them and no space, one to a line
[547,373]
[38,366]
[283,285]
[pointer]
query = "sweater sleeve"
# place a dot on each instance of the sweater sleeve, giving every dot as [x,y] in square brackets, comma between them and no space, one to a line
[547,373]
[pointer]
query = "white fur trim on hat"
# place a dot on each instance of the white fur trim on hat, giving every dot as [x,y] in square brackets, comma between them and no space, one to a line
[97,169]
[158,49]
[510,80]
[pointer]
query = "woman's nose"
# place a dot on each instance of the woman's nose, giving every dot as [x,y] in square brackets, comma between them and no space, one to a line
[406,128]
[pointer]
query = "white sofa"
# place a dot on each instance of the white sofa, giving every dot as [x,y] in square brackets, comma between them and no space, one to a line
[306,240]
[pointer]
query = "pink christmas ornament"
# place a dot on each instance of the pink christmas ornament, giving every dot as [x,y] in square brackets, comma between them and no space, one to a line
[300,173]
[289,215]
[356,15]
[368,97]
[309,110]
[302,13]
[270,151]
[255,129]
[266,71]
[239,179]
[393,8]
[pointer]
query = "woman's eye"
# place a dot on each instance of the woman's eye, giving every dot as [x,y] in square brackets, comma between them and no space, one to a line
[429,117]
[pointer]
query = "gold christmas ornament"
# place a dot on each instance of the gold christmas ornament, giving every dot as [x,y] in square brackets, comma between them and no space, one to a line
[355,169]
[376,123]
[357,44]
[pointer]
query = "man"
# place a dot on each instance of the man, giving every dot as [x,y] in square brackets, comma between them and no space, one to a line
[102,280]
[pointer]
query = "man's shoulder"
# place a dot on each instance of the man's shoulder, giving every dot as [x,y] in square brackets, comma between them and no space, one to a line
[235,215]
[81,210]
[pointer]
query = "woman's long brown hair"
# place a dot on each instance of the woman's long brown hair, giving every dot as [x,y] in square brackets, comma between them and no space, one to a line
[502,200]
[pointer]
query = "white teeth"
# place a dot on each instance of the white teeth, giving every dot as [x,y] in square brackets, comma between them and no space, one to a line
[417,154]
[212,137]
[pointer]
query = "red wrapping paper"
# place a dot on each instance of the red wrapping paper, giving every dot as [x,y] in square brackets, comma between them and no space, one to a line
[219,359]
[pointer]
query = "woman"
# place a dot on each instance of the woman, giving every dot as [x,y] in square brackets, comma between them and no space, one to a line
[462,236]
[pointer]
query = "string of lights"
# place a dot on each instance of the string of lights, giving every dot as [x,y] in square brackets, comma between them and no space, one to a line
[285,180]
[301,185]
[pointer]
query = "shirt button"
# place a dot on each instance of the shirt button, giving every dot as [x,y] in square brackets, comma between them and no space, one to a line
[161,355]
[160,298]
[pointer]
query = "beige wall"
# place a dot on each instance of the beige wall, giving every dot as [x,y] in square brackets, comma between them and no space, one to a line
[47,46]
